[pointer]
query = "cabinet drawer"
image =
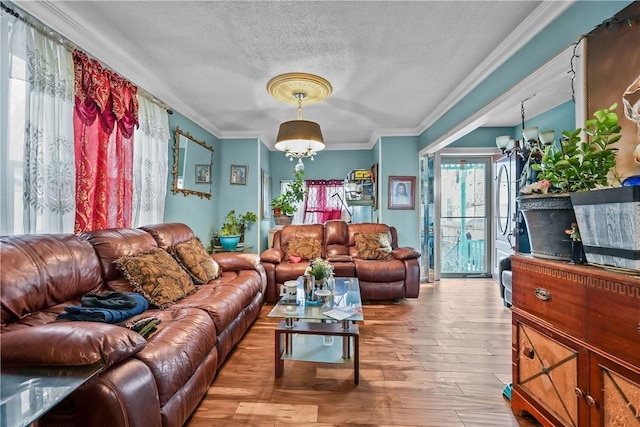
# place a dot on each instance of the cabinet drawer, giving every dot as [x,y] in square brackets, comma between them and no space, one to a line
[555,295]
[548,371]
[614,319]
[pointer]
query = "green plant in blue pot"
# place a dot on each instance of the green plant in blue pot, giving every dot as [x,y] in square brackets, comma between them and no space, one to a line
[229,234]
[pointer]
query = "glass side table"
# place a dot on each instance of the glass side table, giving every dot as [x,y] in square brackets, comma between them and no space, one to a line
[28,392]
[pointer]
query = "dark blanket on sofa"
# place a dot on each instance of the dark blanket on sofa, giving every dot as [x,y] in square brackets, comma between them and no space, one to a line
[113,307]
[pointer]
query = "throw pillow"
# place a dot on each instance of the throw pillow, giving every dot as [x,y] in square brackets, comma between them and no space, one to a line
[195,260]
[157,276]
[306,247]
[373,246]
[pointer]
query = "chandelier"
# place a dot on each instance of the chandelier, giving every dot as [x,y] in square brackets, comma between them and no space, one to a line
[299,138]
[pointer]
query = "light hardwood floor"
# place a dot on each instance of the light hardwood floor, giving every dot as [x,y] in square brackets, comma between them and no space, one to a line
[440,360]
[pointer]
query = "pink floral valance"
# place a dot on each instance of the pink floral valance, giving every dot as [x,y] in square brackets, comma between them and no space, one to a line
[102,93]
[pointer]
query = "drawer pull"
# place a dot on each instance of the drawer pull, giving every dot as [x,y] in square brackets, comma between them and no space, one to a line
[590,401]
[528,353]
[542,294]
[579,392]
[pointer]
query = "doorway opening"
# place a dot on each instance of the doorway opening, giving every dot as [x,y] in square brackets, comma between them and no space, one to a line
[465,230]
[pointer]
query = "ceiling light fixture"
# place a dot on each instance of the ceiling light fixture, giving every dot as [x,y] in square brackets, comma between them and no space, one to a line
[299,138]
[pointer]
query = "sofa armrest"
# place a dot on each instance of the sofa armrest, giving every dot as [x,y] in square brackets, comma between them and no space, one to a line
[236,261]
[272,255]
[70,344]
[405,253]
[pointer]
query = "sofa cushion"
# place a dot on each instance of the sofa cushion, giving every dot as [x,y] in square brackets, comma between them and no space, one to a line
[306,247]
[40,271]
[184,339]
[226,297]
[195,260]
[157,276]
[70,344]
[373,246]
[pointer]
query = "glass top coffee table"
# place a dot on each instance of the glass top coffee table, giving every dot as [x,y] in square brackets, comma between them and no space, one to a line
[308,328]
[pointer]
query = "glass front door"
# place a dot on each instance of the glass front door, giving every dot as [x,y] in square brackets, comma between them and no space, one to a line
[464,212]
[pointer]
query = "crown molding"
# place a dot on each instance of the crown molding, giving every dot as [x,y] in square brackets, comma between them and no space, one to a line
[550,73]
[541,17]
[50,15]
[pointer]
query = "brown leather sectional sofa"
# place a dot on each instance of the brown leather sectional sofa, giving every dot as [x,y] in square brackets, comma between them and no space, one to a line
[395,278]
[144,383]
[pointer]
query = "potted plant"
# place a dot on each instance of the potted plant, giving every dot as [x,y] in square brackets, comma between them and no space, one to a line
[579,174]
[573,165]
[232,228]
[578,165]
[284,205]
[607,216]
[320,269]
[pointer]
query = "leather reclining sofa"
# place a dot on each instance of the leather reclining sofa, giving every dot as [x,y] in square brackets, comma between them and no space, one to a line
[143,383]
[380,279]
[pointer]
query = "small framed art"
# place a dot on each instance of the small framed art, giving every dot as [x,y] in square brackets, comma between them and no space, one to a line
[402,192]
[203,174]
[238,175]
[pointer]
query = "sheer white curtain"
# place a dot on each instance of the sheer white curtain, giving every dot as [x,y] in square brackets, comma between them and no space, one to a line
[150,163]
[38,184]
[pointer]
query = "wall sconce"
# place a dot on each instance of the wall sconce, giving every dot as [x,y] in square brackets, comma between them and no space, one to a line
[505,144]
[502,142]
[530,135]
[546,137]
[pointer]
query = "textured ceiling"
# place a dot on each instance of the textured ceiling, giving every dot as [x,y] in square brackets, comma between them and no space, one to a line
[394,65]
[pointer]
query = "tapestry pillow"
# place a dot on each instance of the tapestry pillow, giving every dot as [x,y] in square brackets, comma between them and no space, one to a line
[157,276]
[306,247]
[196,261]
[373,246]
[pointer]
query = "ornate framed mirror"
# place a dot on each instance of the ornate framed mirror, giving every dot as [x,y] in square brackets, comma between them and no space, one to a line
[192,165]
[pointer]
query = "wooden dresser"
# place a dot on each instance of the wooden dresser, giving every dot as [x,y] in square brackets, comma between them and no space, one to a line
[576,344]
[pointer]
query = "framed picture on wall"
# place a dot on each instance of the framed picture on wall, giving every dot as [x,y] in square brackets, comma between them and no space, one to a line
[402,192]
[203,174]
[239,174]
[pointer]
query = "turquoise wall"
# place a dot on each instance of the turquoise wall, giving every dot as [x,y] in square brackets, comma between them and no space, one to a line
[240,198]
[579,19]
[198,213]
[264,224]
[481,137]
[400,158]
[559,119]
[328,164]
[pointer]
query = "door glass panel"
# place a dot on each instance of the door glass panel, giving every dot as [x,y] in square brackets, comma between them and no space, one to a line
[427,218]
[464,216]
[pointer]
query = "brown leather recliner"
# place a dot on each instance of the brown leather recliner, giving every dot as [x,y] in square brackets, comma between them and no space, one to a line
[153,382]
[395,278]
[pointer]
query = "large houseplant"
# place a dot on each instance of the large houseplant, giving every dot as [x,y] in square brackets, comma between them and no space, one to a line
[573,165]
[581,165]
[607,215]
[284,205]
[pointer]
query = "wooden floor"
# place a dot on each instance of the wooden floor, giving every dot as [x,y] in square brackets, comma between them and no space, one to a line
[440,360]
